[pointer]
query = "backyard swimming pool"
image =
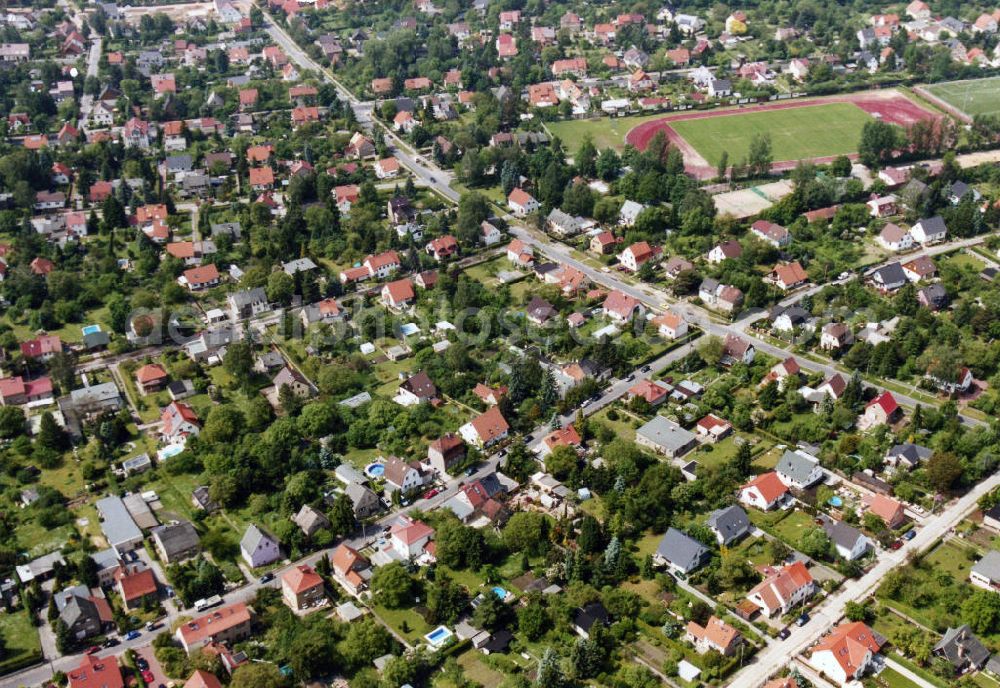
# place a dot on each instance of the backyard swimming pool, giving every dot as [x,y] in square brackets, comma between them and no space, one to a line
[169,451]
[375,470]
[91,329]
[438,636]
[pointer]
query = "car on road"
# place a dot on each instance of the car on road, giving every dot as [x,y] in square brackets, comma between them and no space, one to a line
[784,633]
[148,677]
[111,642]
[92,649]
[141,663]
[267,578]
[529,438]
[152,626]
[802,620]
[896,545]
[132,635]
[433,180]
[630,377]
[645,369]
[431,493]
[910,534]
[586,402]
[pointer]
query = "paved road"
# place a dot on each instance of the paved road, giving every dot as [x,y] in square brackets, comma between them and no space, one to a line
[87,101]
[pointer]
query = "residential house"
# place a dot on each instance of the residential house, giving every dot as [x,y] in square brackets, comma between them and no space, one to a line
[670,325]
[933,296]
[398,294]
[729,524]
[351,569]
[637,255]
[788,318]
[228,624]
[409,538]
[629,212]
[680,552]
[446,451]
[302,588]
[521,203]
[118,526]
[94,671]
[799,470]
[176,542]
[727,250]
[664,436]
[258,547]
[882,206]
[907,455]
[604,243]
[587,617]
[920,268]
[653,391]
[930,230]
[203,277]
[962,649]
[402,476]
[247,303]
[764,492]
[888,278]
[136,585]
[836,336]
[787,276]
[716,635]
[539,311]
[735,350]
[770,233]
[294,380]
[891,511]
[151,378]
[782,589]
[847,652]
[985,573]
[712,428]
[178,421]
[849,542]
[416,389]
[364,502]
[881,410]
[621,307]
[486,429]
[310,521]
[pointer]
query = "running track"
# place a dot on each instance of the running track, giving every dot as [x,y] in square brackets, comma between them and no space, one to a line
[890,106]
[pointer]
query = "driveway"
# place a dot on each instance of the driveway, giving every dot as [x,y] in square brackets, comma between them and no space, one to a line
[147,653]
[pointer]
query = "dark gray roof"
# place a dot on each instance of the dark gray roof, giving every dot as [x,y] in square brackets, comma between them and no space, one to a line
[681,550]
[891,274]
[960,647]
[911,453]
[731,523]
[797,466]
[841,533]
[248,297]
[935,294]
[989,566]
[253,537]
[177,163]
[176,538]
[796,314]
[231,228]
[92,340]
[933,226]
[585,617]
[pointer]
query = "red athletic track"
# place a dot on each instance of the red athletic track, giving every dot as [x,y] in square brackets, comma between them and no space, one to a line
[890,106]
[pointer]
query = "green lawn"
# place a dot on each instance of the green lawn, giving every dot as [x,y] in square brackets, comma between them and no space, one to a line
[890,678]
[796,133]
[21,643]
[606,132]
[973,97]
[790,528]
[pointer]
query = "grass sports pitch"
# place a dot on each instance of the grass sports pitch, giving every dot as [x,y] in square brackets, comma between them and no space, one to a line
[975,97]
[796,133]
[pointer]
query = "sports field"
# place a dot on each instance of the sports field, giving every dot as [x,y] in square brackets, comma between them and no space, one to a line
[799,133]
[973,97]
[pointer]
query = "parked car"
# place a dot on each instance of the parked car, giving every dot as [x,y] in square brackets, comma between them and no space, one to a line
[132,635]
[802,620]
[784,633]
[148,677]
[910,534]
[92,649]
[141,663]
[267,578]
[645,369]
[152,626]
[896,545]
[431,493]
[111,642]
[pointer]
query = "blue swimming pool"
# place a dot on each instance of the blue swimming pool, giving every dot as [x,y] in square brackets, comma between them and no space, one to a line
[500,592]
[438,636]
[375,470]
[169,451]
[836,501]
[91,329]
